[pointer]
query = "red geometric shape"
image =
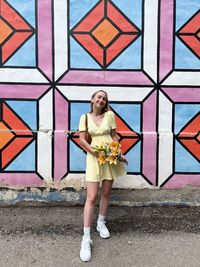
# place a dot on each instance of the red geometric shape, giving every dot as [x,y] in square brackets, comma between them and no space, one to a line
[14,148]
[191,129]
[91,19]
[193,146]
[21,31]
[14,42]
[10,15]
[119,19]
[189,136]
[16,139]
[91,46]
[98,40]
[119,45]
[188,34]
[191,26]
[14,122]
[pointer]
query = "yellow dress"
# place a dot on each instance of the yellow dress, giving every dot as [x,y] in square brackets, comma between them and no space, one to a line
[94,171]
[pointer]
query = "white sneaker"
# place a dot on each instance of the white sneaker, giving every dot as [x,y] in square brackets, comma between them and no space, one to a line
[86,250]
[102,229]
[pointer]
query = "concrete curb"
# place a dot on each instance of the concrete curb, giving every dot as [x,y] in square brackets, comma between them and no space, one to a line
[189,196]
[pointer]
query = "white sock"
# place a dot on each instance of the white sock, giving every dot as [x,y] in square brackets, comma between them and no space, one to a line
[101,218]
[86,233]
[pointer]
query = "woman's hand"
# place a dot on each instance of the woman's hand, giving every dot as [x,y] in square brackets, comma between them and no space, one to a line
[122,158]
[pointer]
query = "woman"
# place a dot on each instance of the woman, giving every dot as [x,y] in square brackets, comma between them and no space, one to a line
[101,126]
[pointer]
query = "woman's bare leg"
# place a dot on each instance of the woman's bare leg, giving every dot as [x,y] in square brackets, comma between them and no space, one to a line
[92,192]
[105,196]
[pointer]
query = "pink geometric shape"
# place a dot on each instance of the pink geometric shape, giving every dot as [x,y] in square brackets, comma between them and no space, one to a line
[149,138]
[105,77]
[60,137]
[188,94]
[166,37]
[45,57]
[181,180]
[21,179]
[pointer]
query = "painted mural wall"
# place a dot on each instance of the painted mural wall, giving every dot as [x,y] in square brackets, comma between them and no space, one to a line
[55,53]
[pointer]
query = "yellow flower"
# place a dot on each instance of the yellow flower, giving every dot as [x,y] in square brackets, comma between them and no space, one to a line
[101,159]
[112,159]
[114,145]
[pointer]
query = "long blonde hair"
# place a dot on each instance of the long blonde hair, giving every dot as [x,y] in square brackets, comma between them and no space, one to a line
[105,108]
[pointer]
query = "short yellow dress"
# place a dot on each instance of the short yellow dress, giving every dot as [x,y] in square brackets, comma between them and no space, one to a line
[100,134]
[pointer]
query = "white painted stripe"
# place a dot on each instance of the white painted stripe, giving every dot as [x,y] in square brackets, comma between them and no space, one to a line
[45,155]
[165,114]
[150,38]
[165,156]
[60,30]
[46,112]
[121,94]
[21,75]
[165,138]
[183,78]
[45,136]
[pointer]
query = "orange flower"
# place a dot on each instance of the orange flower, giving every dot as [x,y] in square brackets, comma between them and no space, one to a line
[112,159]
[101,159]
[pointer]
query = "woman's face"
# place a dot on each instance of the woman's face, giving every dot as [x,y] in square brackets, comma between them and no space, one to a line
[99,100]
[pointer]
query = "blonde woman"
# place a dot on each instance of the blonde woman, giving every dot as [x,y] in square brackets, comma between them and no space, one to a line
[101,126]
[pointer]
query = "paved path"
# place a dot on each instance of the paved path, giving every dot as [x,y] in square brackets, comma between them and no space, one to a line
[140,237]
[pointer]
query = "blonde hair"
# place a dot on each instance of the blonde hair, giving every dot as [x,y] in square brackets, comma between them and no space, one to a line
[105,108]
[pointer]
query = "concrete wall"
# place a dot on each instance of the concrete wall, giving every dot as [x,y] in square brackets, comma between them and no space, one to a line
[55,54]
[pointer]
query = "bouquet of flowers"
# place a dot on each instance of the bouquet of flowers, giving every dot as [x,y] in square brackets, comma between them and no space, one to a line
[108,152]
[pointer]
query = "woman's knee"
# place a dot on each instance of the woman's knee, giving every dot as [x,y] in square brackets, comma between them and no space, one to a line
[91,199]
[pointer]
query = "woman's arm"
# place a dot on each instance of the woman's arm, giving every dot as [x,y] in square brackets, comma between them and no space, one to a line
[84,143]
[114,135]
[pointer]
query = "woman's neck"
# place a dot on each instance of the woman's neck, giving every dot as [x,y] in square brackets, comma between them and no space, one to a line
[97,112]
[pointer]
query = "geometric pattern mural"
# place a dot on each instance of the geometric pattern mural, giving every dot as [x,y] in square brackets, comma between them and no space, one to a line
[55,54]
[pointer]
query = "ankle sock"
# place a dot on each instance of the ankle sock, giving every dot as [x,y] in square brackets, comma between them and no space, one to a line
[101,218]
[87,233]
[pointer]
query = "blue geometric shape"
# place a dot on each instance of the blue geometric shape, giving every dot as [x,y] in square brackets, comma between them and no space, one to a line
[130,113]
[184,58]
[25,56]
[134,158]
[77,158]
[25,161]
[26,8]
[132,9]
[183,114]
[184,161]
[26,110]
[79,58]
[184,11]
[77,109]
[130,58]
[78,9]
